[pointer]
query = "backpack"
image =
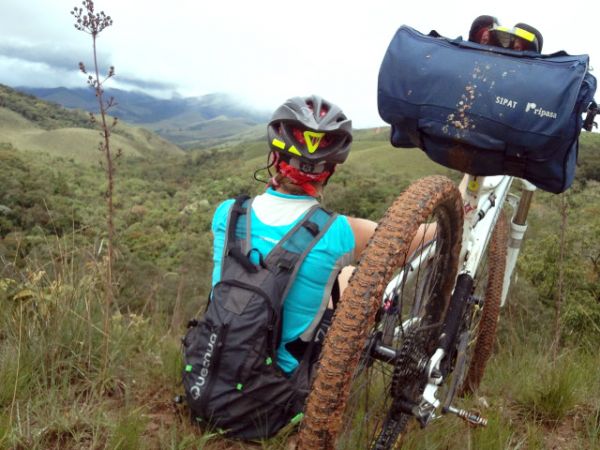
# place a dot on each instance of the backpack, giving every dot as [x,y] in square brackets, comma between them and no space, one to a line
[231,379]
[486,110]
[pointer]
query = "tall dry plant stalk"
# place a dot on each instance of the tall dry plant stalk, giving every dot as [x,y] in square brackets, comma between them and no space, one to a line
[93,23]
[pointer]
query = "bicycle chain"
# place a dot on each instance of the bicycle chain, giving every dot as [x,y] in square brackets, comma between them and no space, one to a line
[390,432]
[408,368]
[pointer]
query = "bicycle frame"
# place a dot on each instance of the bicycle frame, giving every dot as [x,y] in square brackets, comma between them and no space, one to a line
[481,196]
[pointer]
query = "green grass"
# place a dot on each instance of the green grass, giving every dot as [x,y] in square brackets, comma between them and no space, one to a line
[56,390]
[11,120]
[592,428]
[54,393]
[551,393]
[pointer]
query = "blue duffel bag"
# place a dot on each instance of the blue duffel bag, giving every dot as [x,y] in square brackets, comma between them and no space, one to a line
[486,110]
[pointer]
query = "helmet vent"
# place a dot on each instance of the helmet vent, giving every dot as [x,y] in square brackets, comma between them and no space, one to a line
[324,110]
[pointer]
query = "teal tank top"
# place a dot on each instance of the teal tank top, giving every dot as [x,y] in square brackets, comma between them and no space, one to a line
[273,215]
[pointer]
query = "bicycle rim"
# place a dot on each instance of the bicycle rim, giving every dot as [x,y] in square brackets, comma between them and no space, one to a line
[352,403]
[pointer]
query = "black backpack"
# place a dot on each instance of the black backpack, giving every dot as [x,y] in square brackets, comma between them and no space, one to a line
[231,378]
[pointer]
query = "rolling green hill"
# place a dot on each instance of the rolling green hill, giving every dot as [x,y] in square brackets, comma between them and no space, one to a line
[190,122]
[31,124]
[193,133]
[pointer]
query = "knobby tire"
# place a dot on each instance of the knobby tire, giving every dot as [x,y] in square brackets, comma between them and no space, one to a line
[485,329]
[355,315]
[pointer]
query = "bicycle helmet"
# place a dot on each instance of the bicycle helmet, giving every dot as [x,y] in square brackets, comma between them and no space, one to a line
[308,136]
[312,130]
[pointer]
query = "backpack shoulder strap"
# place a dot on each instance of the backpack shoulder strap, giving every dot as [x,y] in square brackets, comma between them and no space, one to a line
[292,249]
[237,233]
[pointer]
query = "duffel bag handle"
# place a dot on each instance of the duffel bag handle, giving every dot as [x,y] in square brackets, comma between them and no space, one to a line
[592,110]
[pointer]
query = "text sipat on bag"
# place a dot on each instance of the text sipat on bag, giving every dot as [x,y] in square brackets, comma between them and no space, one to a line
[486,110]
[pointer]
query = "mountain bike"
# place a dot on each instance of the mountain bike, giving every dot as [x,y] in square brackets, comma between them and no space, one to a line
[413,332]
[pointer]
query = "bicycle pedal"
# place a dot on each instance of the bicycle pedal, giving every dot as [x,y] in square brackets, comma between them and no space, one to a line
[472,418]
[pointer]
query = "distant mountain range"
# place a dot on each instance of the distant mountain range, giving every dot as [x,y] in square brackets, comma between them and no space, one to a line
[189,122]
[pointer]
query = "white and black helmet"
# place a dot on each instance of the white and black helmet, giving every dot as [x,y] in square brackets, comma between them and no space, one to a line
[312,130]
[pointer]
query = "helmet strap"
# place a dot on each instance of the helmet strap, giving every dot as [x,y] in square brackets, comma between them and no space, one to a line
[271,161]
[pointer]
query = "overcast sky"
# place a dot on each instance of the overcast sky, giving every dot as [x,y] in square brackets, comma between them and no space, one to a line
[263,51]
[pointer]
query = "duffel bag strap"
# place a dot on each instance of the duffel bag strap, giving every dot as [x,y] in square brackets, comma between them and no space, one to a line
[592,110]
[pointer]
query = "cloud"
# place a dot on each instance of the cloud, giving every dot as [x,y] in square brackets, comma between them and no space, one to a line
[146,85]
[19,72]
[59,56]
[47,65]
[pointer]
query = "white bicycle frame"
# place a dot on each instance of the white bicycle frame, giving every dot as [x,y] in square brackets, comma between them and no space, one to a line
[483,199]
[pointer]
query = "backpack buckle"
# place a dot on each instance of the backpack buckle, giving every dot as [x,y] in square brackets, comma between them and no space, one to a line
[312,228]
[285,263]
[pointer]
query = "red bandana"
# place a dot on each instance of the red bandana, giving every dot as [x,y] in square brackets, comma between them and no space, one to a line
[302,179]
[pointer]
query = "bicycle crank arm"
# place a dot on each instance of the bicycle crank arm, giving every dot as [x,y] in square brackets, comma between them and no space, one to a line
[471,417]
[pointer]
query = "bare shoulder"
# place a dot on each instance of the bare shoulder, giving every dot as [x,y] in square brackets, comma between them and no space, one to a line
[362,225]
[362,229]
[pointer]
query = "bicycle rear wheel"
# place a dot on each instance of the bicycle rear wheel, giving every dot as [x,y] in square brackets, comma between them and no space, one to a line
[355,394]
